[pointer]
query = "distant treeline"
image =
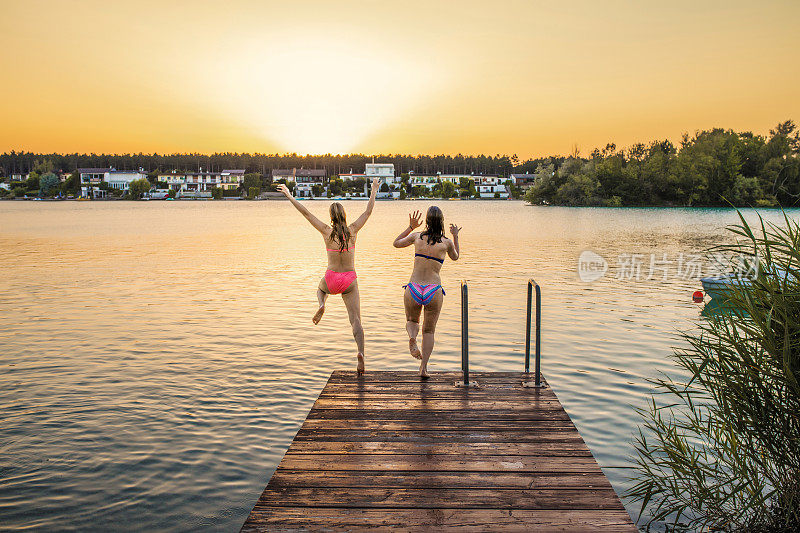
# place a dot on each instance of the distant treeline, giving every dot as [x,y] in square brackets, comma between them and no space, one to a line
[24,162]
[713,168]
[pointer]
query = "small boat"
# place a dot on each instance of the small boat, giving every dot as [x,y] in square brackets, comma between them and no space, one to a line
[720,286]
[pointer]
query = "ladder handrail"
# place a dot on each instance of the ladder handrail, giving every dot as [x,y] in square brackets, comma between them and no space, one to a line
[531,285]
[464,333]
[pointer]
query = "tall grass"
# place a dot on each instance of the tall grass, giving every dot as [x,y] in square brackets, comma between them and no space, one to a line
[721,450]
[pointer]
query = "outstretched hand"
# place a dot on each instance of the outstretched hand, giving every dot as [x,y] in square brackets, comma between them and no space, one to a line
[285,190]
[375,183]
[454,230]
[415,219]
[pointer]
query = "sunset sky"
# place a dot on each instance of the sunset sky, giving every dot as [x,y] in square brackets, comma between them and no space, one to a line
[525,77]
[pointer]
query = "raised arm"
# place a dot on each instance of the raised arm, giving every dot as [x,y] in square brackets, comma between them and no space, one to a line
[453,250]
[360,221]
[407,238]
[317,223]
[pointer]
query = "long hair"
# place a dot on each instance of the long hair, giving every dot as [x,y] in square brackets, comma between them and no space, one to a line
[434,225]
[340,233]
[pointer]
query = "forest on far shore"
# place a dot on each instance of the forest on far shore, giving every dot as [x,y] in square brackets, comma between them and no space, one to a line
[715,167]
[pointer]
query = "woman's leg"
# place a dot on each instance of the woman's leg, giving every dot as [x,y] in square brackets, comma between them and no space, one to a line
[413,310]
[352,300]
[322,295]
[432,311]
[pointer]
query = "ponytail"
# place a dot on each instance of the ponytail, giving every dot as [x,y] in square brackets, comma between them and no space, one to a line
[340,232]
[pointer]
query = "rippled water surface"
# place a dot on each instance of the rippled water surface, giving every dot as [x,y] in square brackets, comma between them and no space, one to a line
[157,358]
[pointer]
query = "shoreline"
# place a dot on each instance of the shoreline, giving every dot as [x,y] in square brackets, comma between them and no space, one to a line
[422,199]
[36,199]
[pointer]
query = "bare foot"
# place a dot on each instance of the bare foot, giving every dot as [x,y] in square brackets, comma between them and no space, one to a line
[360,367]
[414,349]
[318,314]
[423,373]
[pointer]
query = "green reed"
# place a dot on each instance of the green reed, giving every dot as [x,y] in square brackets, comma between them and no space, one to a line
[720,451]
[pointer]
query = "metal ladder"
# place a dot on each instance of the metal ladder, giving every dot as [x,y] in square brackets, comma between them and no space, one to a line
[537,382]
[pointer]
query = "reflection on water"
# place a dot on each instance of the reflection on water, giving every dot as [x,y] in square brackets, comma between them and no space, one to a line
[158,357]
[718,306]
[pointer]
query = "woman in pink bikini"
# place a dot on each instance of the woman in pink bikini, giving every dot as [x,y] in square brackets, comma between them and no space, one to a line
[424,290]
[340,277]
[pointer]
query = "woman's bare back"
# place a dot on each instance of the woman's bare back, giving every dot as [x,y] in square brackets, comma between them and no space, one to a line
[340,261]
[426,270]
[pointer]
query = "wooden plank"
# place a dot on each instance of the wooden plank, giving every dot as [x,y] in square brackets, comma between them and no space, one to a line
[343,376]
[574,448]
[440,498]
[476,480]
[433,415]
[440,463]
[442,520]
[465,435]
[507,394]
[387,375]
[537,426]
[431,386]
[473,405]
[436,388]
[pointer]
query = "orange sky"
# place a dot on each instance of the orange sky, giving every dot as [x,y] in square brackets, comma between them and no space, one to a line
[526,77]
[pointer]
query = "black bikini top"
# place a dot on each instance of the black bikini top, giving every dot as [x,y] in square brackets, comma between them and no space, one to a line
[429,257]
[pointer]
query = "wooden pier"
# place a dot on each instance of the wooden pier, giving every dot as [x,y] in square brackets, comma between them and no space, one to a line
[386,451]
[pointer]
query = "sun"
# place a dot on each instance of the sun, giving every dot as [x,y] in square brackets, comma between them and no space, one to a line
[315,96]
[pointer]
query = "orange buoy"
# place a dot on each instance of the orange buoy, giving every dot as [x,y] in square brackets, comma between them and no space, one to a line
[697,296]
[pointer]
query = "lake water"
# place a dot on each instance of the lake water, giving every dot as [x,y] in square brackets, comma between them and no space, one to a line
[157,358]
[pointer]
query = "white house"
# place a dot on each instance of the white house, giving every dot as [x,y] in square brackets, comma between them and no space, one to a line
[195,183]
[477,179]
[524,181]
[90,179]
[382,171]
[423,180]
[304,179]
[489,180]
[231,179]
[455,179]
[430,181]
[493,191]
[173,180]
[121,179]
[304,186]
[352,176]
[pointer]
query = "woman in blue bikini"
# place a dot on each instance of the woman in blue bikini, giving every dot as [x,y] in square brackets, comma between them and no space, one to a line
[425,287]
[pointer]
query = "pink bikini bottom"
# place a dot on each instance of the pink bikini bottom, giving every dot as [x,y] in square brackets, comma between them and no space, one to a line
[339,282]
